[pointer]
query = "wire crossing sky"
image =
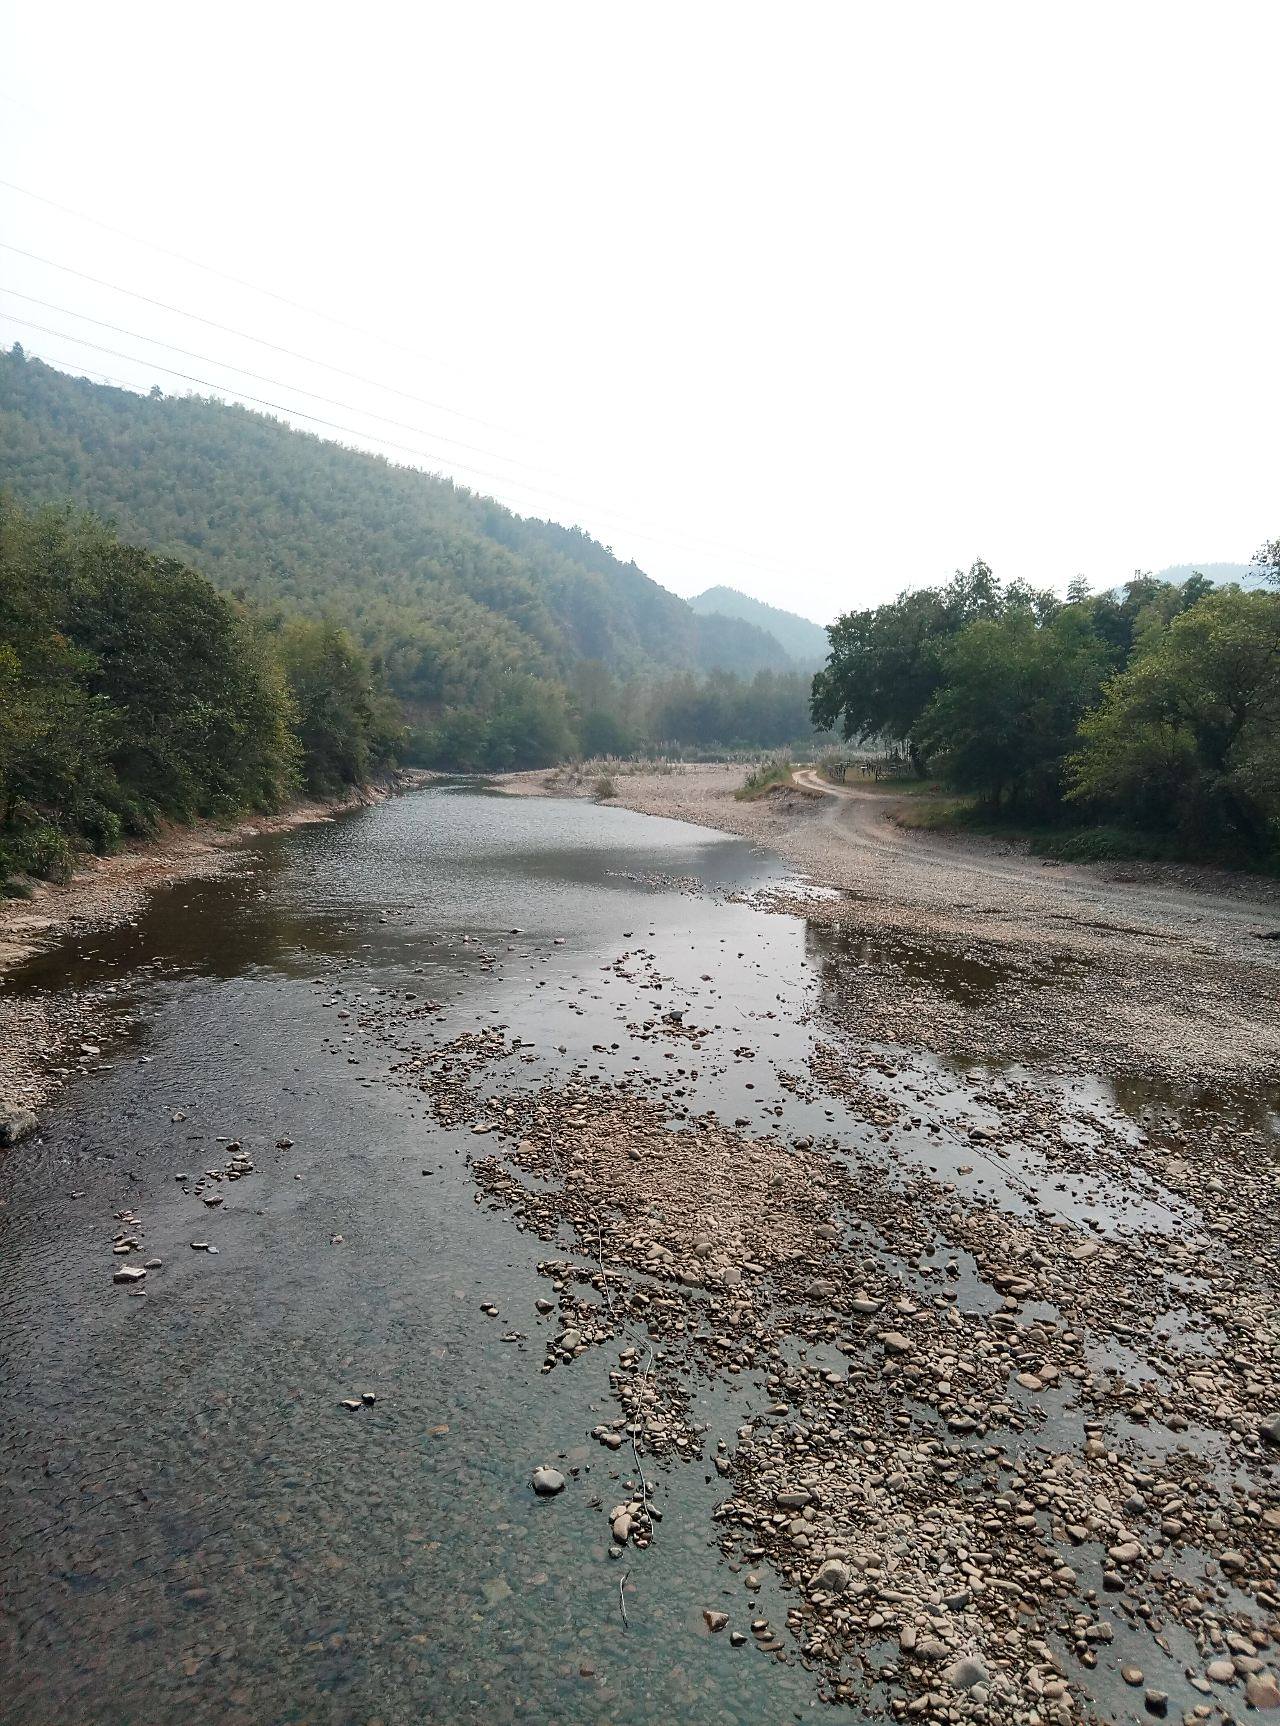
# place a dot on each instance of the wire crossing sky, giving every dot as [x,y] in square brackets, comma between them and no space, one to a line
[818,302]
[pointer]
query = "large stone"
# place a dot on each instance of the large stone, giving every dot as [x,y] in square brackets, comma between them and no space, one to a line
[833,1577]
[15,1124]
[964,1673]
[547,1482]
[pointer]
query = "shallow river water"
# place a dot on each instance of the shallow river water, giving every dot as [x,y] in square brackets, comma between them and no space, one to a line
[193,1528]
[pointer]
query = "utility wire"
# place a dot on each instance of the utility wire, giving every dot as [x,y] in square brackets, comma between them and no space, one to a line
[693,543]
[508,481]
[243,335]
[330,425]
[259,377]
[236,281]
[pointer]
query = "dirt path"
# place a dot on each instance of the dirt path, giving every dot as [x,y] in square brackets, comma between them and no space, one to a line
[862,818]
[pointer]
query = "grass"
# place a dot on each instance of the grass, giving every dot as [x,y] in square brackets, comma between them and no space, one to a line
[604,789]
[763,778]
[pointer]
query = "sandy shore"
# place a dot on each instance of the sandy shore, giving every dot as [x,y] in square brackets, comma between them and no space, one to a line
[964,944]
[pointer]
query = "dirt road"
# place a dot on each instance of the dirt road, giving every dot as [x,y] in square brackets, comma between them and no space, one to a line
[1136,898]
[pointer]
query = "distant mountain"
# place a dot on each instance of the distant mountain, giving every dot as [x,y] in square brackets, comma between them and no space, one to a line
[454,594]
[1243,574]
[804,641]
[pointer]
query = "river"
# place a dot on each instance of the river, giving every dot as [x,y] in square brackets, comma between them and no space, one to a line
[195,1527]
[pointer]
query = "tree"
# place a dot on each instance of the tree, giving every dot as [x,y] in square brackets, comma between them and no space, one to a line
[1011,695]
[1187,736]
[886,665]
[1267,561]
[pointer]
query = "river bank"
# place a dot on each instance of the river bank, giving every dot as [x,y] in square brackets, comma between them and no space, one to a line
[961,943]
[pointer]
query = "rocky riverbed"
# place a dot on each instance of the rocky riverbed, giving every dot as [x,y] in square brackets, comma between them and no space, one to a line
[614,1278]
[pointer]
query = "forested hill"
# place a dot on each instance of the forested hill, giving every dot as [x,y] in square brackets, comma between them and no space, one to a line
[804,640]
[451,591]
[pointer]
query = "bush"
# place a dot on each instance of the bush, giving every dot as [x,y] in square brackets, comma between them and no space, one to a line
[604,789]
[763,776]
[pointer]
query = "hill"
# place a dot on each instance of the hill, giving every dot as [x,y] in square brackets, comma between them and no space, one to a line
[1223,574]
[453,593]
[805,642]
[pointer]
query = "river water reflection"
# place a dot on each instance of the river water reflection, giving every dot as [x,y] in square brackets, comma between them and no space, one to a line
[194,1528]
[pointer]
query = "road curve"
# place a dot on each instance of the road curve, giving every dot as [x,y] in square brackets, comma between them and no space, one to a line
[914,864]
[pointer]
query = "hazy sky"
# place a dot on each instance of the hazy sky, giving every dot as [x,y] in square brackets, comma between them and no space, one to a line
[817,300]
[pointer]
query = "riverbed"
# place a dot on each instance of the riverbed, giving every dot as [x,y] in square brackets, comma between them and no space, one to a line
[361,1100]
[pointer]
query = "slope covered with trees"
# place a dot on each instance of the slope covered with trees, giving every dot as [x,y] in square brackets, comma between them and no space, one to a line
[475,616]
[132,691]
[1155,708]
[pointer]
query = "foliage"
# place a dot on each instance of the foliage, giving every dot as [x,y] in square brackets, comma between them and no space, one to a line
[347,726]
[1156,708]
[1013,690]
[604,789]
[886,665]
[131,691]
[457,602]
[1187,736]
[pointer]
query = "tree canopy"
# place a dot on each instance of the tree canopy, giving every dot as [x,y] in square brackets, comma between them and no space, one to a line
[132,691]
[1156,706]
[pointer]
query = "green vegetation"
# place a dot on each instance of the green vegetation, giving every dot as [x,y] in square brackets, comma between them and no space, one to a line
[604,788]
[1151,713]
[505,641]
[763,778]
[132,692]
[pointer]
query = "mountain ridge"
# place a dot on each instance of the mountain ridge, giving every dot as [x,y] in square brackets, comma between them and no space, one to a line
[451,589]
[804,641]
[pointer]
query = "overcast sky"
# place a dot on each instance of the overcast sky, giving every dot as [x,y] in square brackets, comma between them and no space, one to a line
[816,300]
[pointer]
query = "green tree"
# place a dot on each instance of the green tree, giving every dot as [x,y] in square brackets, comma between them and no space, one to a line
[1187,736]
[1012,692]
[886,665]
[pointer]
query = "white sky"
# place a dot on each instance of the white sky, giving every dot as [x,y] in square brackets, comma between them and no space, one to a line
[816,300]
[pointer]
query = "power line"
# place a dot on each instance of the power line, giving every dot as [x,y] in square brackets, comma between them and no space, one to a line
[693,543]
[629,523]
[332,425]
[244,335]
[261,401]
[259,377]
[222,275]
